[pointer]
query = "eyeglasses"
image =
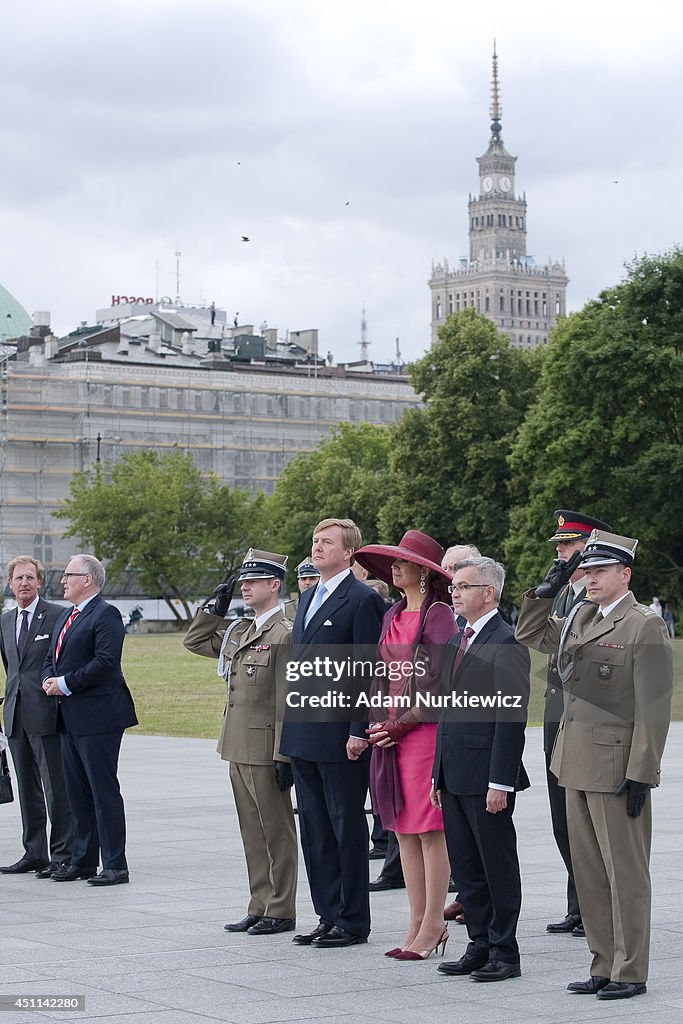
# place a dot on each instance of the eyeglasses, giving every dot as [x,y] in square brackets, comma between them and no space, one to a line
[65,575]
[462,588]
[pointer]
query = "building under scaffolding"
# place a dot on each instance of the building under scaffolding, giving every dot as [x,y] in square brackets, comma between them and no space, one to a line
[241,406]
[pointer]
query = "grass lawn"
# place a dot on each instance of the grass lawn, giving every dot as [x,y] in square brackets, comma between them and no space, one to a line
[179,694]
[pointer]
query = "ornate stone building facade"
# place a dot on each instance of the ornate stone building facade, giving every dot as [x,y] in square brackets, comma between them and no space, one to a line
[499,279]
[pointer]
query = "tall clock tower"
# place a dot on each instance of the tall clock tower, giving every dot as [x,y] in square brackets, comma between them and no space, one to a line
[499,279]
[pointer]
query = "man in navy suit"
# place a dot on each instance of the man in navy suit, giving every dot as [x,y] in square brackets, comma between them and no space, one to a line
[82,671]
[331,759]
[478,768]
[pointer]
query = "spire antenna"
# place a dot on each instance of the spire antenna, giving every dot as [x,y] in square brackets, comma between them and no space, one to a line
[496,109]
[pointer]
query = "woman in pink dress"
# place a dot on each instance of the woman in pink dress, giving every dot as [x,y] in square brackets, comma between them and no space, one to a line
[411,646]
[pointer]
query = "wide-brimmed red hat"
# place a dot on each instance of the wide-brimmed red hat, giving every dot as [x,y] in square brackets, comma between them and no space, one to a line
[413,547]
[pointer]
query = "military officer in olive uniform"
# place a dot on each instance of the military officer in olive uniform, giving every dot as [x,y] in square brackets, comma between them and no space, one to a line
[615,661]
[571,533]
[252,656]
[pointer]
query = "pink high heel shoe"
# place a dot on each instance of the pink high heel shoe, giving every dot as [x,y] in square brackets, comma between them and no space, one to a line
[409,954]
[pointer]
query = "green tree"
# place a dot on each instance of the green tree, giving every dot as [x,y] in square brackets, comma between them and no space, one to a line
[605,435]
[346,476]
[156,514]
[449,460]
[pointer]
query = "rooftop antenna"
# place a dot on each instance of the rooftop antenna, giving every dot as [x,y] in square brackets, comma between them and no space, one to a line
[399,358]
[178,301]
[496,109]
[364,343]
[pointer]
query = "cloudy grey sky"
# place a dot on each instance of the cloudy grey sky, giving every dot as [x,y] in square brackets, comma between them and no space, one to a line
[339,135]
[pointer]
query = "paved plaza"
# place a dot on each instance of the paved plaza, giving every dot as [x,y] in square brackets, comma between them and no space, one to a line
[155,952]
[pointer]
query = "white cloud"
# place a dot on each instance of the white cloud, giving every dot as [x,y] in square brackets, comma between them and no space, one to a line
[132,129]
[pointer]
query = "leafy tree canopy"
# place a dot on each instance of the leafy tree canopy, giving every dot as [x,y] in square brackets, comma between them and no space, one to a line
[345,477]
[157,515]
[604,436]
[449,459]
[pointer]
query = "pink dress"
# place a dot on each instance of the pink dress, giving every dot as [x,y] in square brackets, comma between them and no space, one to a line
[415,751]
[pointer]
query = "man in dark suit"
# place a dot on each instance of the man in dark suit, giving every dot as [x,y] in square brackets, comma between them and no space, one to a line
[31,723]
[478,768]
[570,536]
[330,759]
[82,672]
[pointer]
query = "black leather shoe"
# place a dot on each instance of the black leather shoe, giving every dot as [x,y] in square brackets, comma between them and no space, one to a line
[465,965]
[622,990]
[72,872]
[588,988]
[307,937]
[48,872]
[381,884]
[377,853]
[23,866]
[272,925]
[337,937]
[496,970]
[570,922]
[579,931]
[110,876]
[242,926]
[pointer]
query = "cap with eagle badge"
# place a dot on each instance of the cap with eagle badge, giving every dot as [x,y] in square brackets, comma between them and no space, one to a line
[306,570]
[263,565]
[608,549]
[574,525]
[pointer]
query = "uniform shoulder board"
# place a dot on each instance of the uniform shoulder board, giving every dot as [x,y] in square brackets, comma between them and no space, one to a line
[288,624]
[644,610]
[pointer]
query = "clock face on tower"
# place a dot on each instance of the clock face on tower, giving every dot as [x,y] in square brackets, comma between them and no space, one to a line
[505,183]
[487,183]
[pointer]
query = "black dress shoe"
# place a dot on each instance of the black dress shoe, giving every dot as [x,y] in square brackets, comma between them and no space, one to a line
[622,990]
[307,937]
[465,965]
[382,883]
[377,853]
[242,926]
[588,988]
[111,876]
[336,937]
[272,925]
[48,872]
[23,866]
[579,931]
[570,922]
[71,872]
[496,970]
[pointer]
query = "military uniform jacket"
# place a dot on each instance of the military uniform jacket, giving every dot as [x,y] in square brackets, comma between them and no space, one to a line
[618,698]
[256,681]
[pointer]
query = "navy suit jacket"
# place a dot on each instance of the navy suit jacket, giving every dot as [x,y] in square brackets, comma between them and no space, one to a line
[475,746]
[347,624]
[90,661]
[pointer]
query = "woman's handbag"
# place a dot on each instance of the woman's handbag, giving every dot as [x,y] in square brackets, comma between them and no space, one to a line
[6,794]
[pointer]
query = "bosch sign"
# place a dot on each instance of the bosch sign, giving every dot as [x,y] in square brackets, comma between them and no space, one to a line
[120,300]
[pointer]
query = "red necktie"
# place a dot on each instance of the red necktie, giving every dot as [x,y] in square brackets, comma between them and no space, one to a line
[66,625]
[466,634]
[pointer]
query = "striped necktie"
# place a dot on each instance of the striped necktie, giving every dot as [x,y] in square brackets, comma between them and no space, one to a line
[72,616]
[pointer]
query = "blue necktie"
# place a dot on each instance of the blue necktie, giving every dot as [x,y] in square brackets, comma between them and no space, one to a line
[315,603]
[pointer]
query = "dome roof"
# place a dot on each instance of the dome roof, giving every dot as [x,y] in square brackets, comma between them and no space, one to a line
[14,320]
